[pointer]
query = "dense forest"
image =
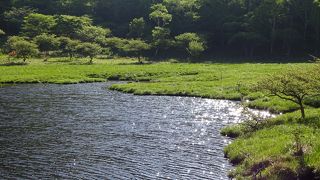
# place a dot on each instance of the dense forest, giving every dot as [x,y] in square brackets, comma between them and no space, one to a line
[177,28]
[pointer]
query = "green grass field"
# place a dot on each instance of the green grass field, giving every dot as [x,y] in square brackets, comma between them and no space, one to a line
[270,149]
[219,81]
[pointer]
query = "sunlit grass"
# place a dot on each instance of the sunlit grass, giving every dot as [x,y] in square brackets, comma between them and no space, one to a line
[271,151]
[272,146]
[219,81]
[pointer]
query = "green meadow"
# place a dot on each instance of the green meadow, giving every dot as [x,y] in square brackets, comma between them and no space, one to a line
[208,80]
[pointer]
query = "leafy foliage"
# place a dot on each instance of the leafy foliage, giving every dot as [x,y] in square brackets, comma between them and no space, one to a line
[36,24]
[69,25]
[295,86]
[89,49]
[23,49]
[243,28]
[2,32]
[191,42]
[14,17]
[47,43]
[137,27]
[92,34]
[136,46]
[68,46]
[161,38]
[160,15]
[195,48]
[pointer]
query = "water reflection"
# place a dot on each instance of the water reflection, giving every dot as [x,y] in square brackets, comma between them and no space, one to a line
[84,131]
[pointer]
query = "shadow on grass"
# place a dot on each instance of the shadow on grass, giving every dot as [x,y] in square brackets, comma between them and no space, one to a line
[59,61]
[14,64]
[235,60]
[81,63]
[138,63]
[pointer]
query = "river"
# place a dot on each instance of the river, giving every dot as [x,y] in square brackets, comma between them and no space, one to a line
[85,131]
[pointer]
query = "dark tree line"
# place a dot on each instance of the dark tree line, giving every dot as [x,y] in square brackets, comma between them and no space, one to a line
[230,27]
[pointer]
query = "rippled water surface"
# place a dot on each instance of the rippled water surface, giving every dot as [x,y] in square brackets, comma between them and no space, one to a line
[85,131]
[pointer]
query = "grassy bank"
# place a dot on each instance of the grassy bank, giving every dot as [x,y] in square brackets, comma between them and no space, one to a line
[284,147]
[267,151]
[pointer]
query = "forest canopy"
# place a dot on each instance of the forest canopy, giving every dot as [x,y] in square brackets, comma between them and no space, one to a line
[244,28]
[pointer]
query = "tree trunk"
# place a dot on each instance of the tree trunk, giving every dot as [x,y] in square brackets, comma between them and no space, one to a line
[70,57]
[46,56]
[156,53]
[303,115]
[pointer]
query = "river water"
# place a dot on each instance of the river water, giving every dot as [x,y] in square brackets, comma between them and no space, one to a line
[85,131]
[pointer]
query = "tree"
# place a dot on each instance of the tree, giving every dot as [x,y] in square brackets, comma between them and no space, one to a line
[10,44]
[185,8]
[68,46]
[137,27]
[92,34]
[160,37]
[185,14]
[160,15]
[136,46]
[191,42]
[195,48]
[89,50]
[47,43]
[115,44]
[285,25]
[14,17]
[24,49]
[68,26]
[35,24]
[295,86]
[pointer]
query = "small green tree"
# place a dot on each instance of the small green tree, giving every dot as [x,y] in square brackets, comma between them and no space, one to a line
[9,46]
[46,43]
[137,27]
[136,46]
[92,34]
[115,44]
[295,86]
[195,48]
[68,46]
[161,39]
[89,50]
[185,38]
[160,15]
[25,49]
[191,42]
